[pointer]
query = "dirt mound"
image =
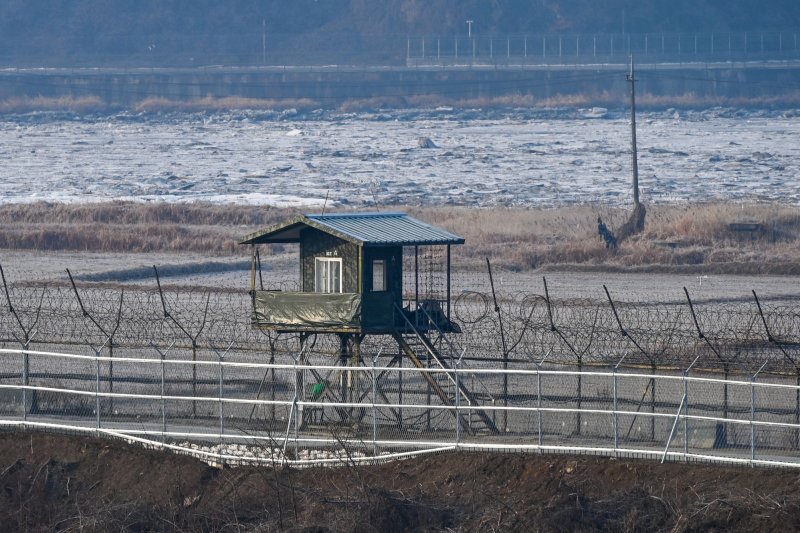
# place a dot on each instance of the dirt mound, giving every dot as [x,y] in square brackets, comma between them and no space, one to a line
[53,482]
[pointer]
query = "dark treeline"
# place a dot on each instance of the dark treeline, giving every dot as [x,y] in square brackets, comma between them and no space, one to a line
[69,32]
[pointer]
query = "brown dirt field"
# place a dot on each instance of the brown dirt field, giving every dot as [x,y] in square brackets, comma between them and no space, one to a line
[59,483]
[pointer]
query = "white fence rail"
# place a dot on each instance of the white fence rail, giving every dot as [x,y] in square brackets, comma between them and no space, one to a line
[234,411]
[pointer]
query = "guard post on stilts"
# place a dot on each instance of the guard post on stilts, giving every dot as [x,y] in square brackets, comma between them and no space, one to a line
[369,275]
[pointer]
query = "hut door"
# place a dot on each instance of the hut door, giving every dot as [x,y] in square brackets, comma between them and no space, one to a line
[328,274]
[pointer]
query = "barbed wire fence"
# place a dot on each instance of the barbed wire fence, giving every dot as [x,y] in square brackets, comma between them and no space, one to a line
[552,368]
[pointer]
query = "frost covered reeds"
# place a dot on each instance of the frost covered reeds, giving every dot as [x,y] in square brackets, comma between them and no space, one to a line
[73,104]
[209,103]
[95,104]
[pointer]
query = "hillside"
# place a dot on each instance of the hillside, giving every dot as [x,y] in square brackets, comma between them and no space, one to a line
[313,31]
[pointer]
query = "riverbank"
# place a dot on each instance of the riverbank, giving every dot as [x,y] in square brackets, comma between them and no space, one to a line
[57,482]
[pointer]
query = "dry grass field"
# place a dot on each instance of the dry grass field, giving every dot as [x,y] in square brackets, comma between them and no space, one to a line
[689,100]
[751,238]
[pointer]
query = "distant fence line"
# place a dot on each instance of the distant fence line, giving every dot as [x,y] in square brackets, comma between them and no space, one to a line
[261,49]
[536,49]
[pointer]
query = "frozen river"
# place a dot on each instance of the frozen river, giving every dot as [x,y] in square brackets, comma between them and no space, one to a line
[515,158]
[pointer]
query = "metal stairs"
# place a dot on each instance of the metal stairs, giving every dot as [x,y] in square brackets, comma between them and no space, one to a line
[424,354]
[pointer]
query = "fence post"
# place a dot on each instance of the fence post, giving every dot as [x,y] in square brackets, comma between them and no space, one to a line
[25,364]
[400,389]
[616,416]
[163,401]
[797,411]
[374,409]
[163,355]
[109,337]
[503,342]
[752,420]
[753,414]
[97,390]
[30,333]
[685,403]
[192,338]
[579,401]
[539,401]
[685,414]
[221,396]
[458,393]
[297,385]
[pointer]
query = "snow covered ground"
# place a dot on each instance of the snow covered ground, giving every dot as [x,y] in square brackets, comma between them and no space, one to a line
[482,158]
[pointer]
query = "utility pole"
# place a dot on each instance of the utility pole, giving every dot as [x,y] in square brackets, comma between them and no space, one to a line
[263,41]
[469,29]
[635,223]
[634,158]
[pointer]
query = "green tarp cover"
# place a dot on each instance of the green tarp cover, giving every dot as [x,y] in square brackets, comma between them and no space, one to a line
[307,309]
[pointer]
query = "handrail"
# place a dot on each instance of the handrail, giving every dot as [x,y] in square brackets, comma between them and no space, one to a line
[453,349]
[72,412]
[432,354]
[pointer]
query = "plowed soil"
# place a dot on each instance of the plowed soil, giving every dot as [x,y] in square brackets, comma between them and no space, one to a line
[58,483]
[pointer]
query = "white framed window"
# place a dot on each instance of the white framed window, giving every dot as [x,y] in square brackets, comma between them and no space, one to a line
[379,275]
[328,274]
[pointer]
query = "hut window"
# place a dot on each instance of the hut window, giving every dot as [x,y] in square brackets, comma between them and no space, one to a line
[328,274]
[379,275]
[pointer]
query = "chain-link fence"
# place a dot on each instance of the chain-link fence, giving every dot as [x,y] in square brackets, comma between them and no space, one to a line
[534,368]
[237,411]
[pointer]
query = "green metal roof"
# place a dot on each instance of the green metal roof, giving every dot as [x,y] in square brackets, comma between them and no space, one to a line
[364,229]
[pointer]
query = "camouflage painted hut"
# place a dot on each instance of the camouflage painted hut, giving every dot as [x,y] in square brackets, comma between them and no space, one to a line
[352,274]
